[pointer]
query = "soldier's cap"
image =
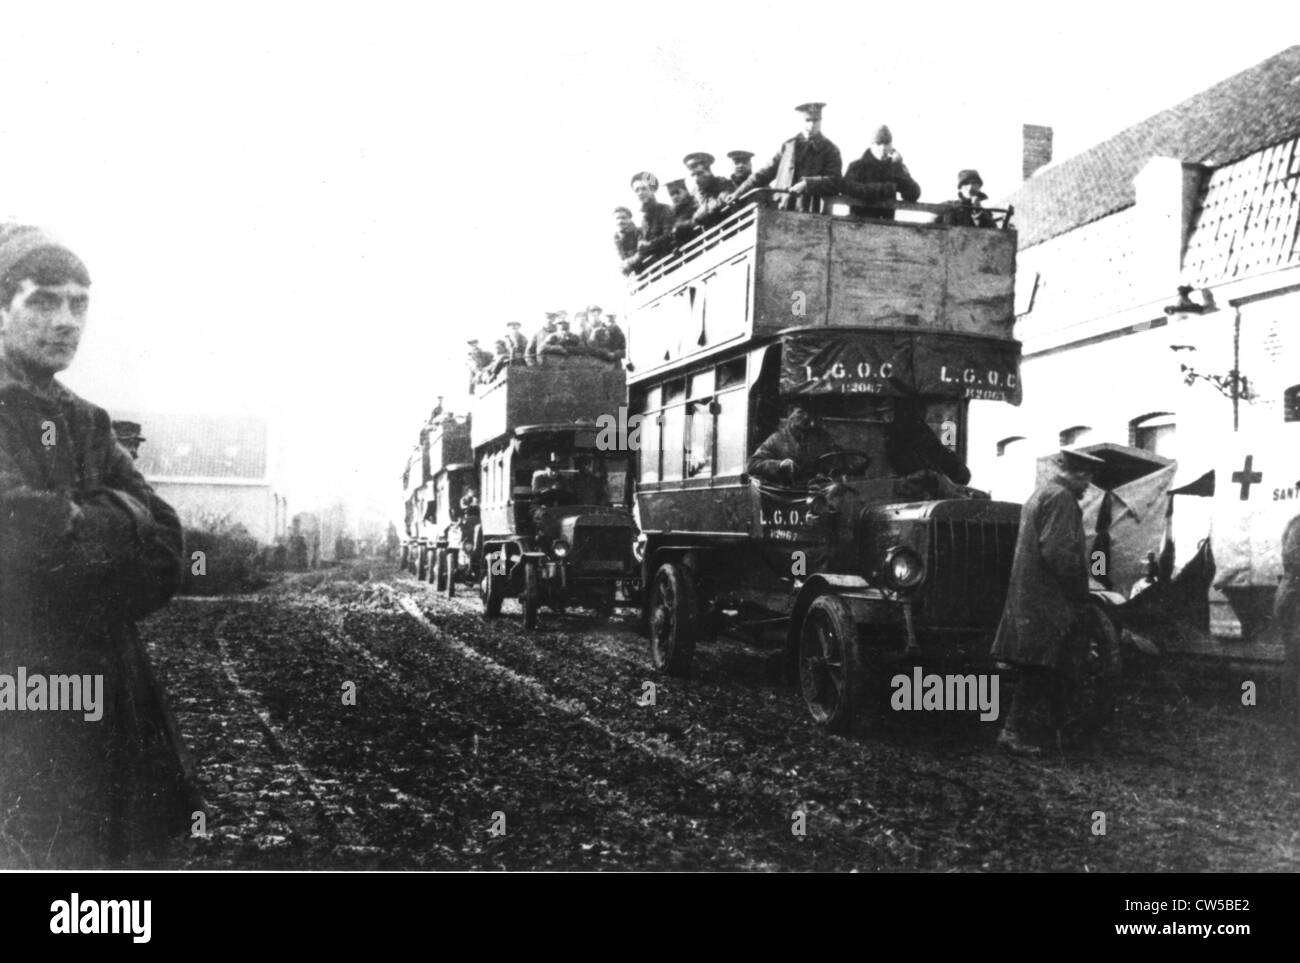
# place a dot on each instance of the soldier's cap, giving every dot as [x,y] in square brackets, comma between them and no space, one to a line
[647,177]
[813,109]
[550,315]
[740,155]
[27,246]
[593,307]
[622,210]
[563,321]
[609,318]
[514,324]
[128,431]
[561,313]
[1079,460]
[677,185]
[883,135]
[699,157]
[472,341]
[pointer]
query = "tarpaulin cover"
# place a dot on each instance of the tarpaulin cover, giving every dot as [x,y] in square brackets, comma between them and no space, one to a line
[900,364]
[1125,512]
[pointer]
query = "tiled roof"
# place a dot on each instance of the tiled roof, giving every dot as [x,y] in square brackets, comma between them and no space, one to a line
[201,446]
[1254,109]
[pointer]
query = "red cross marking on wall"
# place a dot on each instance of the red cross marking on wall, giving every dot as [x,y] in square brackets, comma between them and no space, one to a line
[1246,477]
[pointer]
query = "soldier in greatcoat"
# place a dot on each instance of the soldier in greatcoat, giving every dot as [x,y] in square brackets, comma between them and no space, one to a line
[741,166]
[1041,632]
[807,165]
[879,175]
[656,227]
[789,455]
[86,548]
[626,238]
[709,191]
[515,341]
[607,339]
[535,345]
[683,210]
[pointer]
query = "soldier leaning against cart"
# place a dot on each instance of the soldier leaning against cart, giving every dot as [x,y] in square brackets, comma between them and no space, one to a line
[86,548]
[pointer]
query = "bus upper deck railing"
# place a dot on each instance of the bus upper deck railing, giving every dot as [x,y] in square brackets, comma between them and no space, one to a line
[836,205]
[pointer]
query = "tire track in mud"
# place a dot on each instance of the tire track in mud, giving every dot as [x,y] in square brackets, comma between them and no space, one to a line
[785,795]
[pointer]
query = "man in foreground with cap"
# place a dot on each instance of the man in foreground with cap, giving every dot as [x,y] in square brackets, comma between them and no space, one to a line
[880,175]
[1043,623]
[807,165]
[741,166]
[708,189]
[969,210]
[86,548]
[656,227]
[129,437]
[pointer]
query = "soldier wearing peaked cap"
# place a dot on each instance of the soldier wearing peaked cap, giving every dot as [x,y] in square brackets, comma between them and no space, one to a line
[625,239]
[86,548]
[129,437]
[742,166]
[1043,623]
[807,165]
[709,190]
[535,345]
[515,340]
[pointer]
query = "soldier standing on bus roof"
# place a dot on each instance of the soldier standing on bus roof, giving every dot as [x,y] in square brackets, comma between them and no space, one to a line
[880,174]
[969,210]
[625,239]
[808,165]
[709,189]
[477,361]
[608,339]
[741,166]
[1042,623]
[656,227]
[500,362]
[129,437]
[515,341]
[561,341]
[683,210]
[534,346]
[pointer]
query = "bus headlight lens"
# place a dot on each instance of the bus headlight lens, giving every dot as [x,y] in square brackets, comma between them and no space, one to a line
[904,568]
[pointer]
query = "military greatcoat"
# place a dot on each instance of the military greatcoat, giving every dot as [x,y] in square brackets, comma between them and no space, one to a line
[1049,581]
[86,548]
[814,159]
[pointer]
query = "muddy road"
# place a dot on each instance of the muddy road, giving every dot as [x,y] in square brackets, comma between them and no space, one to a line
[353,719]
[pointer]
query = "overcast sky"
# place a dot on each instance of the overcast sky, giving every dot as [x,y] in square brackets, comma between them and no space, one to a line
[304,209]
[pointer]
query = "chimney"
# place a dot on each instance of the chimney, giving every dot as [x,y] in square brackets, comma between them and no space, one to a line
[1037,149]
